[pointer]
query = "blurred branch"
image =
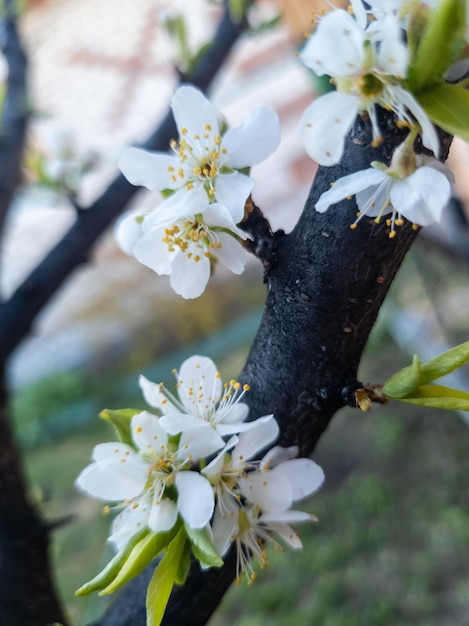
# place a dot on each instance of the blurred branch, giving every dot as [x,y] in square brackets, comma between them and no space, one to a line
[14,115]
[19,312]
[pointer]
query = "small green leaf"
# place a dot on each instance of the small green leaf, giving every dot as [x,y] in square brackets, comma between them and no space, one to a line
[108,574]
[445,363]
[184,565]
[120,420]
[439,46]
[163,579]
[141,555]
[203,548]
[438,397]
[447,106]
[404,381]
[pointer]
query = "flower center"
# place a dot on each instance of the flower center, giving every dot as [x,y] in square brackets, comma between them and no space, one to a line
[190,237]
[200,157]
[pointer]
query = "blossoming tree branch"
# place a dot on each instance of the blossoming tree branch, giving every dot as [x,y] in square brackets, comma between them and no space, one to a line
[200,483]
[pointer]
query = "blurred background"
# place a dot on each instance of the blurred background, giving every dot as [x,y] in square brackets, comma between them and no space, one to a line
[392,544]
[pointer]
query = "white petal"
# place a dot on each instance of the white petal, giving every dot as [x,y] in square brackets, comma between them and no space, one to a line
[163,515]
[150,250]
[199,443]
[393,55]
[289,516]
[287,534]
[325,124]
[115,479]
[253,141]
[336,48]
[375,200]
[359,13]
[195,500]
[192,111]
[422,196]
[130,521]
[233,413]
[429,137]
[128,230]
[148,169]
[154,396]
[263,432]
[349,186]
[233,191]
[216,465]
[268,490]
[232,254]
[305,476]
[218,215]
[199,382]
[225,526]
[278,455]
[111,450]
[182,204]
[175,423]
[147,433]
[188,276]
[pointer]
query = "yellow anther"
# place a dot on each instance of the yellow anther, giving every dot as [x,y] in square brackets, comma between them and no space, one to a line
[353,226]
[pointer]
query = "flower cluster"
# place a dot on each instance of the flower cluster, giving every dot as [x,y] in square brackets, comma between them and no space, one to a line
[206,190]
[389,55]
[193,464]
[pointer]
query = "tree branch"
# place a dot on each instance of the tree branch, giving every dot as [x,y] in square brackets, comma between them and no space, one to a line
[14,116]
[326,284]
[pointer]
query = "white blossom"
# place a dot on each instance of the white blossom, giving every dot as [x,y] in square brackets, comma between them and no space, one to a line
[419,190]
[202,402]
[138,478]
[256,501]
[365,74]
[204,166]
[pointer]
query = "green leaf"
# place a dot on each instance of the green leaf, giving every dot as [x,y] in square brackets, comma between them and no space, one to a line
[446,362]
[141,555]
[438,397]
[447,106]
[203,548]
[404,381]
[120,420]
[107,575]
[440,45]
[184,565]
[164,578]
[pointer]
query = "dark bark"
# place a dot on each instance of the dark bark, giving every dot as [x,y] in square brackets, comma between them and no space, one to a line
[13,121]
